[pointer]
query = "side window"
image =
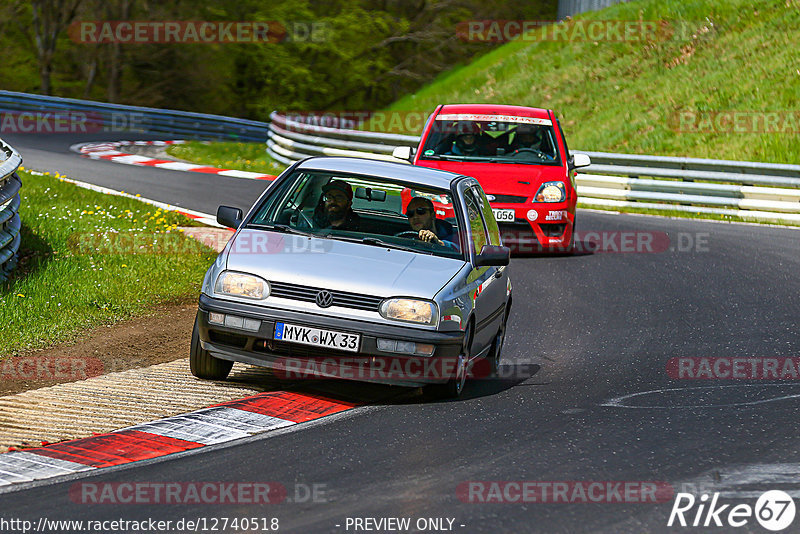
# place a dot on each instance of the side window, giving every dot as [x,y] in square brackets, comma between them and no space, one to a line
[488,216]
[283,201]
[477,229]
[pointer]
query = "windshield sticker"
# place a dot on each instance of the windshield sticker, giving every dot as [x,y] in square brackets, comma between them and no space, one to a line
[503,118]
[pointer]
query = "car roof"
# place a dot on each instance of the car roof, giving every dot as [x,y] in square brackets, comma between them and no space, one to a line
[496,109]
[381,169]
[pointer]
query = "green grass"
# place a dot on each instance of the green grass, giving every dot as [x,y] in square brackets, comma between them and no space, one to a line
[626,96]
[228,155]
[89,259]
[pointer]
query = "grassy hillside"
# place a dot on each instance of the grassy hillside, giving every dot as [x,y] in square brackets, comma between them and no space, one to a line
[737,55]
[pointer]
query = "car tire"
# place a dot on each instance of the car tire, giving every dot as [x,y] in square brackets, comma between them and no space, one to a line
[453,388]
[495,352]
[571,247]
[203,364]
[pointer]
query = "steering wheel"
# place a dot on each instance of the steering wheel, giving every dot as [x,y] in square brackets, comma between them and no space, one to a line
[308,221]
[410,234]
[539,153]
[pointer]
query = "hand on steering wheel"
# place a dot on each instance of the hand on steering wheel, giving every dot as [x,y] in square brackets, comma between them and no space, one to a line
[431,237]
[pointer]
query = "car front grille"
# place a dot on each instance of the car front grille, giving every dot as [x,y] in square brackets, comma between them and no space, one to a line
[517,225]
[509,199]
[340,298]
[553,230]
[297,350]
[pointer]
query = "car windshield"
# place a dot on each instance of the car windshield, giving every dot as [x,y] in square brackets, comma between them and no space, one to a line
[363,209]
[492,138]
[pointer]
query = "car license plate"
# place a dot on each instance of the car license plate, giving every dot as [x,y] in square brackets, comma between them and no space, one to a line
[503,215]
[317,337]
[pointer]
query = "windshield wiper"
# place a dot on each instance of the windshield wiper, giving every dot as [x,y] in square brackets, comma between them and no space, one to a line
[447,157]
[280,228]
[374,241]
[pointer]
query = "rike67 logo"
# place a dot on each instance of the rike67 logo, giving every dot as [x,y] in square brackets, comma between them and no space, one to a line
[774,510]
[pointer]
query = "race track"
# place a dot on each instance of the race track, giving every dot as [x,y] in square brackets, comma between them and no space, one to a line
[587,334]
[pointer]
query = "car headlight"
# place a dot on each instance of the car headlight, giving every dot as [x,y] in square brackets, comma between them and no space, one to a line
[551,192]
[409,310]
[242,285]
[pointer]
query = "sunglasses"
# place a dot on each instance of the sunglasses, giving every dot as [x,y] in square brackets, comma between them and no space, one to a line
[418,211]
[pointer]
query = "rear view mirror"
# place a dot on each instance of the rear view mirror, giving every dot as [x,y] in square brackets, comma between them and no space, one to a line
[371,195]
[493,256]
[230,217]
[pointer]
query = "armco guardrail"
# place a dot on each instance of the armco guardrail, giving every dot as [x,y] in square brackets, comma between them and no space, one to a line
[29,113]
[765,192]
[569,8]
[10,222]
[291,140]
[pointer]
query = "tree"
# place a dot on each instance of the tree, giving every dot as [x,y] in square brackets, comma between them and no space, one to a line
[42,23]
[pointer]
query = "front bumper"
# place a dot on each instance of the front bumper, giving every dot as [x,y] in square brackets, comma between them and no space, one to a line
[297,361]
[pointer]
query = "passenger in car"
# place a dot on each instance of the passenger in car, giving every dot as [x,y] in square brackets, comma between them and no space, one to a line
[420,213]
[335,207]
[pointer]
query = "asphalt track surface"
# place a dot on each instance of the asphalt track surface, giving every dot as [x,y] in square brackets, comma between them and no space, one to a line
[585,330]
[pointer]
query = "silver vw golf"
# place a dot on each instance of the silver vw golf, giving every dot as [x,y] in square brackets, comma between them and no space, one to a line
[344,268]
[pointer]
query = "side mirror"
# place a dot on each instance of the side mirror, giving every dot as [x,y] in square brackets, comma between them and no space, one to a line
[230,217]
[403,152]
[580,160]
[493,256]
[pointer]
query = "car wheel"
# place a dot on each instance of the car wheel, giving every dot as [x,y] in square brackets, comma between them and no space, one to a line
[203,364]
[453,388]
[495,353]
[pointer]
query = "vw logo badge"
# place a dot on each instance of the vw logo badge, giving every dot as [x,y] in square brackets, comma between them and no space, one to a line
[324,299]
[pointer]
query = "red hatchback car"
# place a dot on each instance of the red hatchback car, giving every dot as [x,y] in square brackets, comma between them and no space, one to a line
[520,157]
